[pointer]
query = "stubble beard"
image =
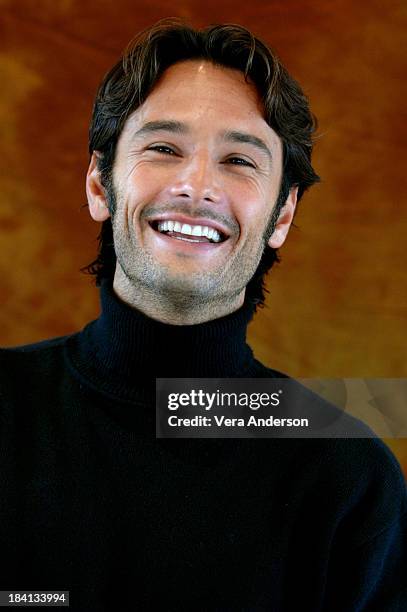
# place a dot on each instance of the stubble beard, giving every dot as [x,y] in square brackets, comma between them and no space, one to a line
[202,289]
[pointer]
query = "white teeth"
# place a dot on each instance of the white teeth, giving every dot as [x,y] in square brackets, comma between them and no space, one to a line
[186,239]
[215,236]
[189,230]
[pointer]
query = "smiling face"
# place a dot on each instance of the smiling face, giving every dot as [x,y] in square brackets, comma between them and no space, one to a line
[196,176]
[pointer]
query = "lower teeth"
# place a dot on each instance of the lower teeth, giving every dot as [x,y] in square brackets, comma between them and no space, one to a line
[186,239]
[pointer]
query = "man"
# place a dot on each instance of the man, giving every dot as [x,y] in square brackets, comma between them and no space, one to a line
[200,149]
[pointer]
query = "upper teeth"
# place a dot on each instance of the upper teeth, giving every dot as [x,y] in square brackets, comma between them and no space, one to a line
[190,230]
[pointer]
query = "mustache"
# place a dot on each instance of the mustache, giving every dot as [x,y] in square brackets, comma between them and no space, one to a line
[194,213]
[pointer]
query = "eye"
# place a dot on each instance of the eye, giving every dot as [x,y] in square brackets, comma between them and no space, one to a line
[240,161]
[162,149]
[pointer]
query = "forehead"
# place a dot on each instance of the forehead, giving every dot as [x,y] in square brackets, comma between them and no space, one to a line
[205,95]
[209,81]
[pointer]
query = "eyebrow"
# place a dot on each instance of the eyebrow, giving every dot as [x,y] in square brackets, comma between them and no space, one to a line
[245,138]
[178,127]
[151,127]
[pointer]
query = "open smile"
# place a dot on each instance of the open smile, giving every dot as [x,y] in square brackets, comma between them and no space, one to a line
[192,232]
[187,232]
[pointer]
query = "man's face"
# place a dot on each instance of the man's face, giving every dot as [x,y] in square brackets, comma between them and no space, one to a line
[195,180]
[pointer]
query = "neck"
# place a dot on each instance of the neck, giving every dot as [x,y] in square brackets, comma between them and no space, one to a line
[123,352]
[174,308]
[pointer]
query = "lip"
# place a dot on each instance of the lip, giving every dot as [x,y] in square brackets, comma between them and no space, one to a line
[190,221]
[188,248]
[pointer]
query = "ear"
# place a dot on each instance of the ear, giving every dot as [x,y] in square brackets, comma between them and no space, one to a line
[95,192]
[284,220]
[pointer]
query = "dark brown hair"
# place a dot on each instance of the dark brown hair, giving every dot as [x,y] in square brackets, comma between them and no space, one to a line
[147,56]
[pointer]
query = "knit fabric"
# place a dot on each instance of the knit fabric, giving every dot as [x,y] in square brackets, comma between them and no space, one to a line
[93,503]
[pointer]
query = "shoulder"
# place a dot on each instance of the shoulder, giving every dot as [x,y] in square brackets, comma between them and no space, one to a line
[36,348]
[349,461]
[30,358]
[364,459]
[325,419]
[367,484]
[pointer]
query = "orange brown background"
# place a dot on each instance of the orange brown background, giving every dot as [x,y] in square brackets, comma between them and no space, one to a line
[337,304]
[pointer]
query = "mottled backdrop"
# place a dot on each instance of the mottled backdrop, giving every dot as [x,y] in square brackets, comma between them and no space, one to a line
[337,304]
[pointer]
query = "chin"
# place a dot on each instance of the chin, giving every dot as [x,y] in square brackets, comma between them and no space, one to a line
[188,284]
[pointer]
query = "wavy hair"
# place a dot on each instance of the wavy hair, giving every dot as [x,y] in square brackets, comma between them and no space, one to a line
[126,86]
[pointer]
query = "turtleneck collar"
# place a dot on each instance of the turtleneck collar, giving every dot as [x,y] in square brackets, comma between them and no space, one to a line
[124,351]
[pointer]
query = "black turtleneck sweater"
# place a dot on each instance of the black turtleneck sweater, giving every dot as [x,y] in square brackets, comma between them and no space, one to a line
[93,503]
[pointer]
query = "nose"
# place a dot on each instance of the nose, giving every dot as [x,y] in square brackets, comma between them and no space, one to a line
[197,181]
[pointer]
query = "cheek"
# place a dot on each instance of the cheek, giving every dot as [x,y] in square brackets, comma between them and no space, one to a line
[254,224]
[143,184]
[252,211]
[257,205]
[253,194]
